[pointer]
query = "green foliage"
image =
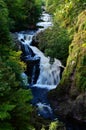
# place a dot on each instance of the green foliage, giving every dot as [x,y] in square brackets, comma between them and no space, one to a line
[4,111]
[22,112]
[23,11]
[70,16]
[76,63]
[81,23]
[14,100]
[4,30]
[55,125]
[55,42]
[5,126]
[65,12]
[15,108]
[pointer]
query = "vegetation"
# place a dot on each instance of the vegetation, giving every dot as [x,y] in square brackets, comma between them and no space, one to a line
[76,61]
[69,24]
[25,12]
[56,40]
[55,125]
[70,95]
[15,108]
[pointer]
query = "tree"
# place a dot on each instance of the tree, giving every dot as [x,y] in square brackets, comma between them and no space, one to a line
[15,108]
[23,13]
[4,30]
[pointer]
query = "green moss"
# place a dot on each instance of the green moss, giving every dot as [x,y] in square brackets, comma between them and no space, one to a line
[74,76]
[81,24]
[76,62]
[55,42]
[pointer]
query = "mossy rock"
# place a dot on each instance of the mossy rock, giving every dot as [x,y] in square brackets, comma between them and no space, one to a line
[72,88]
[81,24]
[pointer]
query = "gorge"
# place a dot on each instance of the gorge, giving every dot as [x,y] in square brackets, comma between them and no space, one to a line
[42,65]
[44,76]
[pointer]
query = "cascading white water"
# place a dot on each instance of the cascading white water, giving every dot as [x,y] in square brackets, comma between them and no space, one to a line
[49,73]
[49,76]
[46,21]
[25,38]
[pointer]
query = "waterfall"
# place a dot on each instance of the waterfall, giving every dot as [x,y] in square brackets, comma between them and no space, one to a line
[49,73]
[46,21]
[42,74]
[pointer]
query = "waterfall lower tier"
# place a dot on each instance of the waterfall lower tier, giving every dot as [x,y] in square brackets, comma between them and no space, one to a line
[49,73]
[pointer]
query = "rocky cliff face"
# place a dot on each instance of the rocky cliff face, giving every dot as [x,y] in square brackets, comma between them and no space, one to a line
[69,98]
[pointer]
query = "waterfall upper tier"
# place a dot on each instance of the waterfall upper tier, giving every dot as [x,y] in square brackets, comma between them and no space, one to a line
[45,21]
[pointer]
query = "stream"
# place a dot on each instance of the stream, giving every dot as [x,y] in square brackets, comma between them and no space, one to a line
[41,76]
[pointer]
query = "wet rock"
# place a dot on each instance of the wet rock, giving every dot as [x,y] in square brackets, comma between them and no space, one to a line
[79,108]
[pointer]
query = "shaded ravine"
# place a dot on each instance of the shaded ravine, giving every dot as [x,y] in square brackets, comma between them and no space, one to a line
[41,76]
